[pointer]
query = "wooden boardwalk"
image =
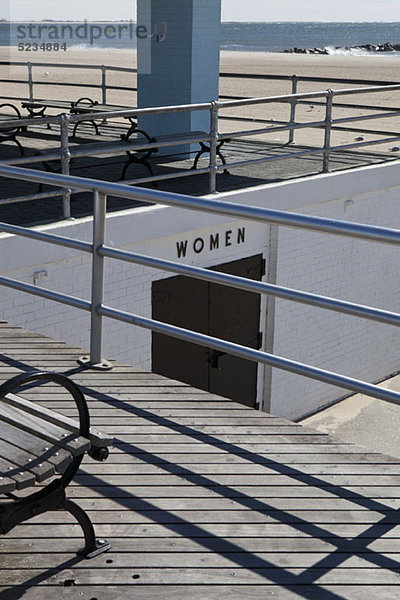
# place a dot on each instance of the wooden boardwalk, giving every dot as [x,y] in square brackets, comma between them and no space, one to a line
[204,499]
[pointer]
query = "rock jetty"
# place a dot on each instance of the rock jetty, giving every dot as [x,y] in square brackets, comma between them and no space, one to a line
[386,47]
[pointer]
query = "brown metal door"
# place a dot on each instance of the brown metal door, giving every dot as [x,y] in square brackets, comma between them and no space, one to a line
[215,310]
[235,317]
[181,301]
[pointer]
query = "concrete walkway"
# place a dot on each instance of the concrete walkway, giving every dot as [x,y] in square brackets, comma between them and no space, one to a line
[363,420]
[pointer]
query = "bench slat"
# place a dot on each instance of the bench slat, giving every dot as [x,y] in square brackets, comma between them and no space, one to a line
[58,457]
[7,485]
[41,469]
[96,438]
[22,479]
[43,430]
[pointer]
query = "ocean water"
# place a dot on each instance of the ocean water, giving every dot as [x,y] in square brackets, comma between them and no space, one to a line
[249,37]
[276,37]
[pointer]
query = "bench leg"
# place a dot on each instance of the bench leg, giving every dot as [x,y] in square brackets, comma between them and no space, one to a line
[96,128]
[142,161]
[20,148]
[93,547]
[204,149]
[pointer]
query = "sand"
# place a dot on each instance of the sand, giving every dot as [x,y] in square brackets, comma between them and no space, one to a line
[375,68]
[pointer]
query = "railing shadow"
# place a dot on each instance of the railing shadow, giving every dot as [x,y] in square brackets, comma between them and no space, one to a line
[305,584]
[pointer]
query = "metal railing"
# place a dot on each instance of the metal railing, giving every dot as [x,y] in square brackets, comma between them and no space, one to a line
[293,80]
[31,82]
[99,251]
[213,137]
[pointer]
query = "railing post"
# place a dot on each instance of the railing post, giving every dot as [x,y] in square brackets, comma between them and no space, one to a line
[328,130]
[104,84]
[30,81]
[293,106]
[65,161]
[96,323]
[213,145]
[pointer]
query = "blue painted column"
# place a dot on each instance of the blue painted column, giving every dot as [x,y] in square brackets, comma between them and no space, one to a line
[180,63]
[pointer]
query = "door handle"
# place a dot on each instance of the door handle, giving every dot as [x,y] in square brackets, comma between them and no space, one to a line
[214,357]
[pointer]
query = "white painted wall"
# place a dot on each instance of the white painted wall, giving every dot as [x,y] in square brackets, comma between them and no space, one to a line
[348,269]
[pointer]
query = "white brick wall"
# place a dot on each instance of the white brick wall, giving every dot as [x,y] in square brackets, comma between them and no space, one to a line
[349,269]
[353,270]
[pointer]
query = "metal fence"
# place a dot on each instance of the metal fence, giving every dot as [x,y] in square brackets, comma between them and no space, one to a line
[213,137]
[99,251]
[30,83]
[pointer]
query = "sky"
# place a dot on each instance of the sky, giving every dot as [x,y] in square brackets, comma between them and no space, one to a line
[233,10]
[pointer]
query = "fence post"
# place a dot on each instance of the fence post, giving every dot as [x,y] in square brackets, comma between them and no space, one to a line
[95,360]
[328,130]
[104,84]
[293,106]
[213,145]
[65,161]
[30,81]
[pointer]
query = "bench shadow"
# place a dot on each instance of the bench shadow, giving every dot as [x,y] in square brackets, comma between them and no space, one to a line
[305,584]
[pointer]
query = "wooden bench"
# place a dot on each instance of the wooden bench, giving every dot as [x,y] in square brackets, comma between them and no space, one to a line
[131,146]
[9,112]
[192,137]
[83,106]
[38,445]
[138,149]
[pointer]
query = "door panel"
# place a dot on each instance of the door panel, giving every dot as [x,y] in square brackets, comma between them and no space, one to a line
[235,317]
[215,310]
[181,301]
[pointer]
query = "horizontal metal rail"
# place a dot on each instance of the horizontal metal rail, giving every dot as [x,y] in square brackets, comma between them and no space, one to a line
[284,123]
[49,238]
[8,63]
[306,78]
[48,294]
[308,152]
[100,251]
[350,308]
[30,197]
[95,86]
[319,103]
[101,116]
[342,381]
[214,137]
[372,233]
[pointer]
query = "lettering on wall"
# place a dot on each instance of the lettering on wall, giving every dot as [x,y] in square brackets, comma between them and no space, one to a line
[214,241]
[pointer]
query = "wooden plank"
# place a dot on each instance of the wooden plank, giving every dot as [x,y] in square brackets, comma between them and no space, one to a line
[198,592]
[59,457]
[269,518]
[142,427]
[7,485]
[96,437]
[247,469]
[42,429]
[183,576]
[213,502]
[298,459]
[302,451]
[192,560]
[189,490]
[40,528]
[228,479]
[11,471]
[204,498]
[251,442]
[179,546]
[26,461]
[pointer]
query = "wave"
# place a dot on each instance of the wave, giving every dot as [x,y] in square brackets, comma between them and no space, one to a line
[356,52]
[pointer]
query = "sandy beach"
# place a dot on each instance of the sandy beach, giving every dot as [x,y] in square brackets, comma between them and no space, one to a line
[354,67]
